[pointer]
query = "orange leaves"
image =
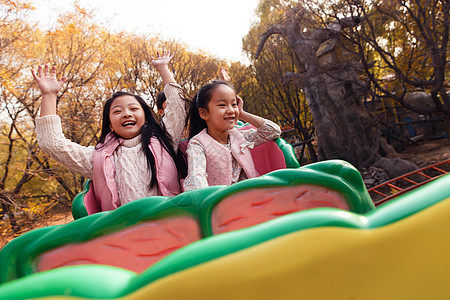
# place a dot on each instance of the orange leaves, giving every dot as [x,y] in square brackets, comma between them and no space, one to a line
[16,5]
[81,10]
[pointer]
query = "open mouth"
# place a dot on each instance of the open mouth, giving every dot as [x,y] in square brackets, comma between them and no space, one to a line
[128,123]
[229,118]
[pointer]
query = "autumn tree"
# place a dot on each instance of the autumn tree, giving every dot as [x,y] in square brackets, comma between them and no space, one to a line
[17,149]
[79,48]
[330,75]
[29,178]
[133,70]
[272,95]
[12,28]
[404,40]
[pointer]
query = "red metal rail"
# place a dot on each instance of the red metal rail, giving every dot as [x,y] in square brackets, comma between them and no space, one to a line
[402,184]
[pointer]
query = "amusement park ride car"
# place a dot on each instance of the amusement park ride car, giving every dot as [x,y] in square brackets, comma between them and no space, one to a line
[308,232]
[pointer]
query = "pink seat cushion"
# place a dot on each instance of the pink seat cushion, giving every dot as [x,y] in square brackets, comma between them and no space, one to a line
[266,157]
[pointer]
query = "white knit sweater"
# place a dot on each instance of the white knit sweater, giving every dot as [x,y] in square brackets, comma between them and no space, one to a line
[132,175]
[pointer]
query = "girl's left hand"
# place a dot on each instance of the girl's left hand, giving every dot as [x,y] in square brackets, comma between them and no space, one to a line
[162,58]
[240,104]
[224,74]
[47,81]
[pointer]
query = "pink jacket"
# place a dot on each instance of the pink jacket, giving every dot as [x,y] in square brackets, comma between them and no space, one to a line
[218,157]
[103,194]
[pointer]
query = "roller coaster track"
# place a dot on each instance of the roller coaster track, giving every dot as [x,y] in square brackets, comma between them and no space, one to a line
[407,182]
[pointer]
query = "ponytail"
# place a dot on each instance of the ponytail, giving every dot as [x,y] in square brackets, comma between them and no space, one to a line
[196,123]
[201,100]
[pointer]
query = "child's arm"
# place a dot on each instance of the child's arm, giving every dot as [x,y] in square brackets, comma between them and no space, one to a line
[49,132]
[161,64]
[248,117]
[49,86]
[266,130]
[175,113]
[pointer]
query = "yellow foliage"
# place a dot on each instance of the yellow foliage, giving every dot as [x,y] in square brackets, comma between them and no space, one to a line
[38,208]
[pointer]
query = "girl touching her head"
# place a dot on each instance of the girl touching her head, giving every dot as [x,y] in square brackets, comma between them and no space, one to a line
[217,152]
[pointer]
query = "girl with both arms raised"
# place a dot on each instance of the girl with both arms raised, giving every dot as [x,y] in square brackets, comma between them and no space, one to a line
[217,152]
[130,137]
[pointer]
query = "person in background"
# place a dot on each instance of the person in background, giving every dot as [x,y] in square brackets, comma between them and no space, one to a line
[161,103]
[161,98]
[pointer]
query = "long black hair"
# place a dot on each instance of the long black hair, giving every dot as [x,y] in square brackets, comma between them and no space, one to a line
[201,100]
[160,99]
[151,128]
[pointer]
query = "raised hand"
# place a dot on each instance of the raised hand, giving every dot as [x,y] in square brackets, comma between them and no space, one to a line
[248,117]
[224,74]
[47,81]
[161,63]
[49,86]
[162,58]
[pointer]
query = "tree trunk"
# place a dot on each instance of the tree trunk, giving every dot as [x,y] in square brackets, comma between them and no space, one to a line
[311,152]
[332,85]
[344,128]
[307,139]
[12,218]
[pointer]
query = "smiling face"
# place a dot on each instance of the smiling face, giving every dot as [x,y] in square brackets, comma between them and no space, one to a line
[223,112]
[126,117]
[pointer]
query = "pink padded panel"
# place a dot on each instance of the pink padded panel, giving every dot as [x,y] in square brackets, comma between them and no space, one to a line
[135,248]
[268,157]
[256,206]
